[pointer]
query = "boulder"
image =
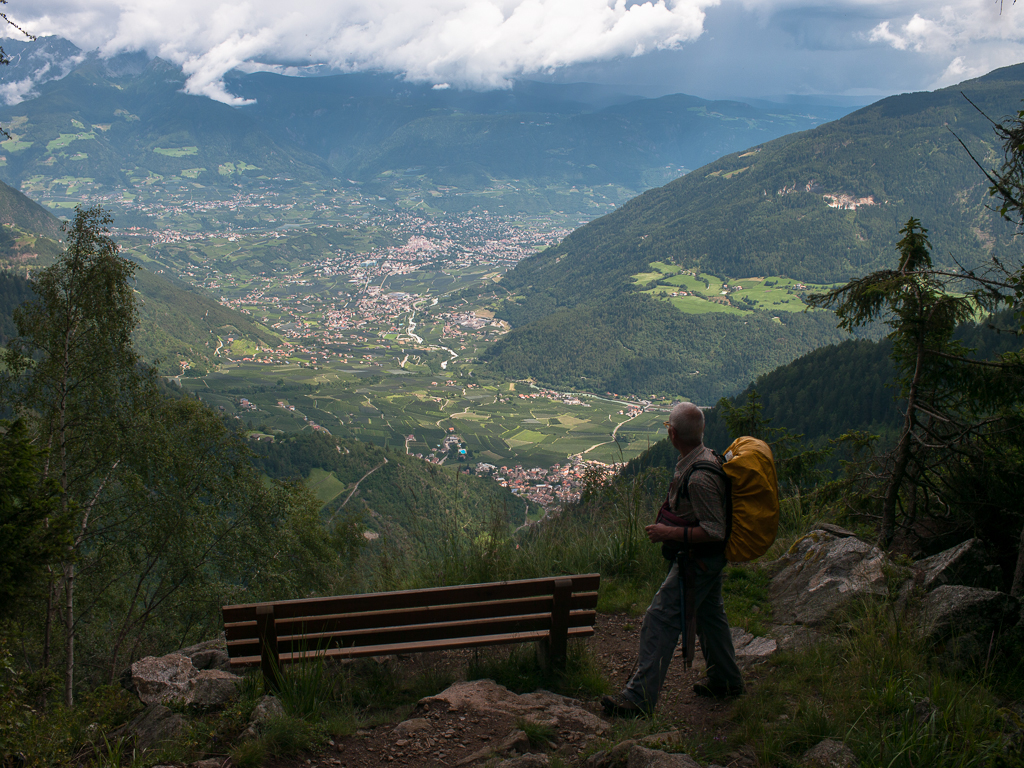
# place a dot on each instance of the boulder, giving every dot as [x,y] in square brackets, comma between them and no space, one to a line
[173,678]
[750,649]
[158,680]
[266,709]
[643,757]
[963,620]
[412,727]
[528,760]
[822,573]
[969,564]
[155,725]
[829,754]
[212,654]
[547,708]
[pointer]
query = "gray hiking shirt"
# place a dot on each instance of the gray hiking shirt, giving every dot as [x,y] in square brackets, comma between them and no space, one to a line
[707,502]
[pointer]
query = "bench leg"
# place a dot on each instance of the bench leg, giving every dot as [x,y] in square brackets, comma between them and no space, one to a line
[270,661]
[553,651]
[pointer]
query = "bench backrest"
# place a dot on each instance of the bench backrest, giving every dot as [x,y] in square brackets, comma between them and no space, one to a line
[413,620]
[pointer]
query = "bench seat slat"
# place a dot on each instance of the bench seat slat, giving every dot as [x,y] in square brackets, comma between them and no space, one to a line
[414,633]
[429,614]
[415,598]
[422,647]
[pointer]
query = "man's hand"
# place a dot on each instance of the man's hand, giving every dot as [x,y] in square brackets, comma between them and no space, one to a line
[659,532]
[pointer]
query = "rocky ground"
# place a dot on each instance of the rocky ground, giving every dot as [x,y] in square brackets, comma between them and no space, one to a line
[477,725]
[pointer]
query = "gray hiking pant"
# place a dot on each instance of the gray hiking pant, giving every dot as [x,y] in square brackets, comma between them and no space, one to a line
[661,628]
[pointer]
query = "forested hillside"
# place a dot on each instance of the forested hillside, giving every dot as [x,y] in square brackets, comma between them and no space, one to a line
[176,324]
[818,206]
[387,491]
[766,211]
[633,343]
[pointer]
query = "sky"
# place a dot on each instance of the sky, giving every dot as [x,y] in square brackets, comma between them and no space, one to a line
[708,48]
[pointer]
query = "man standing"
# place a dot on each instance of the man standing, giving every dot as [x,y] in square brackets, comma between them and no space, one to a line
[694,581]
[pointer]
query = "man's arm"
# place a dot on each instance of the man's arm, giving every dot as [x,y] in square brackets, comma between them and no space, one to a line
[707,497]
[689,535]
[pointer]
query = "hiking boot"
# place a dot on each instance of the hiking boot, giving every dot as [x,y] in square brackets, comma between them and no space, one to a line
[708,691]
[618,705]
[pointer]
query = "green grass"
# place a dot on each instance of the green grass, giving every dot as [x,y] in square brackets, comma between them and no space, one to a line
[874,687]
[325,485]
[176,151]
[65,139]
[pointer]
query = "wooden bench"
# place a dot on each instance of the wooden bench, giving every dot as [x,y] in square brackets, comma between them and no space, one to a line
[547,611]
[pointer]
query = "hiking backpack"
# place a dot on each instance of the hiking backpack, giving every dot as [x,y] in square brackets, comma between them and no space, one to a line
[753,500]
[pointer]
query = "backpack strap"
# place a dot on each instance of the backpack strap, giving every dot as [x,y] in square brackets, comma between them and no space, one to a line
[715,468]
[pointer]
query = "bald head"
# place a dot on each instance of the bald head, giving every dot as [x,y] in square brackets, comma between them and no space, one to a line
[687,421]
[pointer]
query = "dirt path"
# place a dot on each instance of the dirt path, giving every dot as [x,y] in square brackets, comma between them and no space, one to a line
[356,486]
[464,733]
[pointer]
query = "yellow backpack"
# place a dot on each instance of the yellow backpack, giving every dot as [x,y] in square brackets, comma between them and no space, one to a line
[753,515]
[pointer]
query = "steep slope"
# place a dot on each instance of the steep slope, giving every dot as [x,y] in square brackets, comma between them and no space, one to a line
[822,205]
[392,493]
[29,234]
[819,206]
[176,324]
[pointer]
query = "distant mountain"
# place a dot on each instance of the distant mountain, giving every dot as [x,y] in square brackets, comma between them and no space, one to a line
[111,125]
[89,125]
[364,125]
[821,206]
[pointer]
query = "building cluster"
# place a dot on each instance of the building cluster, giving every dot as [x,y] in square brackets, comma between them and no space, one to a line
[550,487]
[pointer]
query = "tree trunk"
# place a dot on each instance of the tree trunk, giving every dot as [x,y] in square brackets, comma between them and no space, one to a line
[899,471]
[1018,573]
[69,640]
[51,596]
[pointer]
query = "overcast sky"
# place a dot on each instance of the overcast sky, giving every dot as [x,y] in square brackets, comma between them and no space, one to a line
[709,48]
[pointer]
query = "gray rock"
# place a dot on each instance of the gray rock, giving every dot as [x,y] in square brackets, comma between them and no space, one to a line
[822,573]
[160,680]
[212,688]
[643,757]
[212,762]
[173,678]
[266,709]
[750,649]
[830,754]
[836,530]
[516,741]
[962,621]
[528,760]
[968,564]
[155,725]
[412,727]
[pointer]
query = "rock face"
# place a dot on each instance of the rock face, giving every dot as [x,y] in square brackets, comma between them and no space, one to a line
[154,726]
[968,564]
[541,707]
[750,649]
[173,678]
[965,618]
[642,757]
[823,572]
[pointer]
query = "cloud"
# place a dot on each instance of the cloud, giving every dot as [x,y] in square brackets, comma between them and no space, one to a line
[969,37]
[465,43]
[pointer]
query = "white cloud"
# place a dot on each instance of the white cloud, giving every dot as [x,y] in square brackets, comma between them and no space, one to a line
[969,37]
[466,43]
